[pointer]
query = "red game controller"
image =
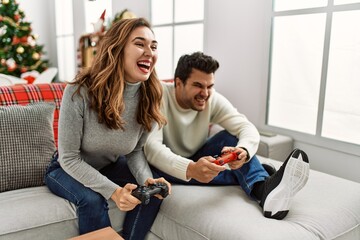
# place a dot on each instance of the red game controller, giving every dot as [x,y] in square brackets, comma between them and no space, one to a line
[227,157]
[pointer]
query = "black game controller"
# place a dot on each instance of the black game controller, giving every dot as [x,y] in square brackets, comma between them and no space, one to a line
[143,193]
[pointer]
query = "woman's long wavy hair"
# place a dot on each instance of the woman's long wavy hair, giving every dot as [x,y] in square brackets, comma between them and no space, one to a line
[105,80]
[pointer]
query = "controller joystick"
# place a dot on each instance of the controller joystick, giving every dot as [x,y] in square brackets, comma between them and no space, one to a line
[144,193]
[227,157]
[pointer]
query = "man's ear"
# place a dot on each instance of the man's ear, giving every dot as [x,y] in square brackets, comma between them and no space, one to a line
[177,81]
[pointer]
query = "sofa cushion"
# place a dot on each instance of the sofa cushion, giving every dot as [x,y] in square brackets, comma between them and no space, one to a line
[36,213]
[27,144]
[326,208]
[29,93]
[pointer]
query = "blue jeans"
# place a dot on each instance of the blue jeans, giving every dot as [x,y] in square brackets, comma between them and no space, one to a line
[92,208]
[246,176]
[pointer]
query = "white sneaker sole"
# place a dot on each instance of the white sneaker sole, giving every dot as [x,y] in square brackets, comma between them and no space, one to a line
[295,176]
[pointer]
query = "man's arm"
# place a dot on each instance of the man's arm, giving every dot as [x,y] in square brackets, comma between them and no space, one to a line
[161,157]
[227,116]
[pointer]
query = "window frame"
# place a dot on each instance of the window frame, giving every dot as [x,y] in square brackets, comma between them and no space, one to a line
[317,139]
[174,24]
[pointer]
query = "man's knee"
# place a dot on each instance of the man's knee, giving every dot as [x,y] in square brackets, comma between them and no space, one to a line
[227,138]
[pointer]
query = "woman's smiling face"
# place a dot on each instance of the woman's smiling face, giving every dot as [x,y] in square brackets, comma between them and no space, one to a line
[140,55]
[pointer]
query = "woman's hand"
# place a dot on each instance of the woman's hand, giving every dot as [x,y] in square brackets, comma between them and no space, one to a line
[158,180]
[123,198]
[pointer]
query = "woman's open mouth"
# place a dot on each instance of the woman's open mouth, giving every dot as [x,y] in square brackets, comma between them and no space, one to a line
[144,66]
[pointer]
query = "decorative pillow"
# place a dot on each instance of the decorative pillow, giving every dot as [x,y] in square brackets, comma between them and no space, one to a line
[26,144]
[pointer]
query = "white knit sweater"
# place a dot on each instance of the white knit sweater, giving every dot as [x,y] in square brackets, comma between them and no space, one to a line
[187,130]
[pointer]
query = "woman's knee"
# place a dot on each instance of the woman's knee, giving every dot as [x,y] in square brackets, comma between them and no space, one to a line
[92,200]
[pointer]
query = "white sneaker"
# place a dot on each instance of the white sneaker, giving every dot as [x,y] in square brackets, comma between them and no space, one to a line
[281,187]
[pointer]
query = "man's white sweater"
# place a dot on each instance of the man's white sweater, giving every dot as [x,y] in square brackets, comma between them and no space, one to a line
[187,130]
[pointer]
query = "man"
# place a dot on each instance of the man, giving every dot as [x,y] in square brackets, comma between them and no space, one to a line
[182,152]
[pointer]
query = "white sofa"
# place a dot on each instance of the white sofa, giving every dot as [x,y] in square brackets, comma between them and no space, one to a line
[327,207]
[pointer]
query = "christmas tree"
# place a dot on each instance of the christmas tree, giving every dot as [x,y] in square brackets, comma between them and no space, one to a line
[19,52]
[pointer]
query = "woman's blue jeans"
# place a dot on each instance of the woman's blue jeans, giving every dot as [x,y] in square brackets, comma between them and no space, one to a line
[246,176]
[92,208]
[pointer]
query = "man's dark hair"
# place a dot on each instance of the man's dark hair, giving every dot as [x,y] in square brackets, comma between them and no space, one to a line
[197,60]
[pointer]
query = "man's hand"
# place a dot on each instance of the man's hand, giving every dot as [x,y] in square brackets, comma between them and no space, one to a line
[203,170]
[123,198]
[242,157]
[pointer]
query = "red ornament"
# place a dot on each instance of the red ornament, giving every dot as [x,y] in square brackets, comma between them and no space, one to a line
[15,40]
[16,17]
[11,69]
[30,79]
[23,69]
[24,39]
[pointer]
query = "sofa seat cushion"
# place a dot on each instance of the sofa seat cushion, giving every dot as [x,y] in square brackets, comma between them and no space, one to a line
[326,208]
[39,214]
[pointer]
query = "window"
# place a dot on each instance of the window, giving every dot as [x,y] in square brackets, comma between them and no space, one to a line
[65,40]
[314,80]
[179,29]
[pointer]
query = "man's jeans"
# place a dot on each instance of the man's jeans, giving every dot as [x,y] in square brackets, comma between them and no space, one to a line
[92,208]
[246,176]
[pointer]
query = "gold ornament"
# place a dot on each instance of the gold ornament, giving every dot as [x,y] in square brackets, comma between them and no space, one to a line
[5,1]
[36,56]
[20,50]
[128,14]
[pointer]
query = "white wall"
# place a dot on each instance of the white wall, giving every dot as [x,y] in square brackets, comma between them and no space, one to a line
[237,33]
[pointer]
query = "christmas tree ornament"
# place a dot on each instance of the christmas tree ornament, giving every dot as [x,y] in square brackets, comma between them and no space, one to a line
[36,56]
[20,50]
[125,14]
[31,41]
[3,30]
[16,17]
[23,69]
[15,40]
[5,1]
[11,64]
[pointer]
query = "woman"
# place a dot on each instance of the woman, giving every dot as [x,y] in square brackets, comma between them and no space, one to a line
[105,118]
